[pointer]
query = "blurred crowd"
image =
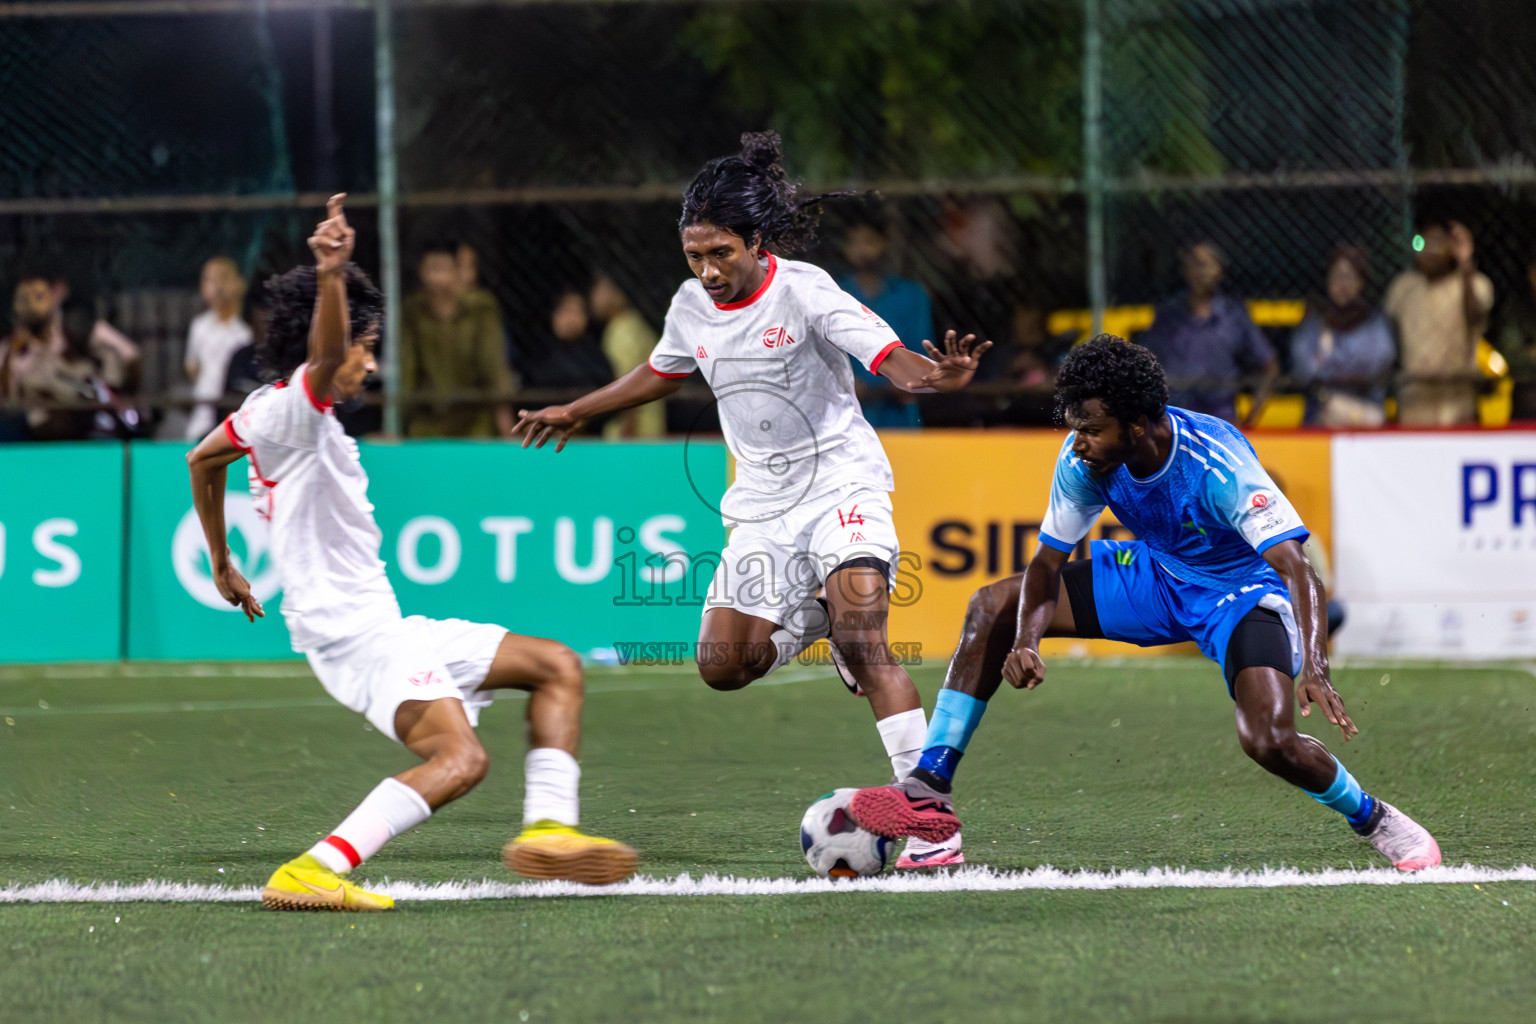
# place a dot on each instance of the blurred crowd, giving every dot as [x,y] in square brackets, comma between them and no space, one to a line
[1413,352]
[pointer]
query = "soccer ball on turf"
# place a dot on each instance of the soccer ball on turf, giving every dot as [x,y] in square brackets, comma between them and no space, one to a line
[834,846]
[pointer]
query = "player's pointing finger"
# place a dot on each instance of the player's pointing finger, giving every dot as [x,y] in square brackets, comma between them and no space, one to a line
[333,207]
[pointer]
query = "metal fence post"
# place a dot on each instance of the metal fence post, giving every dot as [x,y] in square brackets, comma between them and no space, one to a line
[1093,157]
[1400,19]
[389,228]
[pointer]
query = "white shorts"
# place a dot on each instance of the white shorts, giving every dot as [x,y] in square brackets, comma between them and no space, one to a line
[772,569]
[414,658]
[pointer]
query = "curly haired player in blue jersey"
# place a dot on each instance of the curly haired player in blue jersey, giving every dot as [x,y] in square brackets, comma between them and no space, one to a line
[1218,561]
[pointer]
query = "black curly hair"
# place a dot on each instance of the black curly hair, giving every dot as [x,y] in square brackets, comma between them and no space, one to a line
[750,196]
[1126,378]
[289,305]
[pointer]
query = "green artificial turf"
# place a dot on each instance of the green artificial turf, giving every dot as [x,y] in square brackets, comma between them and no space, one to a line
[215,775]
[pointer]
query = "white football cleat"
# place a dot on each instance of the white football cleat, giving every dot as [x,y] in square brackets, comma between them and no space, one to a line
[921,854]
[1403,841]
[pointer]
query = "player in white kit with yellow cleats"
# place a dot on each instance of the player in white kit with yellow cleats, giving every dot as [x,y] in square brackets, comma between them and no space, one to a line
[421,682]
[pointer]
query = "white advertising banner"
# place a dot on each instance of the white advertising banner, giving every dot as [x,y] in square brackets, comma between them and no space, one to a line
[1434,541]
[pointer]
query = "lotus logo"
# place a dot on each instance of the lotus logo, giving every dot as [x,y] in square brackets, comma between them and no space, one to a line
[247,547]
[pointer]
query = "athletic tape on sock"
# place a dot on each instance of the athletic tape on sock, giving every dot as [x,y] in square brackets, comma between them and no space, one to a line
[1343,795]
[955,717]
[902,734]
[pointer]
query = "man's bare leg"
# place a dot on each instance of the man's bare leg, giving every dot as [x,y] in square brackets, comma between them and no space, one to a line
[549,845]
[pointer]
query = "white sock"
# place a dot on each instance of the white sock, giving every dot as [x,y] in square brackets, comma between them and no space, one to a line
[806,625]
[392,808]
[903,735]
[551,778]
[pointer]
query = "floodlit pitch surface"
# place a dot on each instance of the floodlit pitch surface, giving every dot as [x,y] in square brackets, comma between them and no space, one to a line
[208,777]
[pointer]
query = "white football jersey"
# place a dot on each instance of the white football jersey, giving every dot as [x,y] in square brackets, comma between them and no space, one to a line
[308,483]
[777,362]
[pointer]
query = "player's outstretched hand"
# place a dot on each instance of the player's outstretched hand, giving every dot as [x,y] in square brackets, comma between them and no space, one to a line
[1024,669]
[333,239]
[956,362]
[234,589]
[539,425]
[1315,689]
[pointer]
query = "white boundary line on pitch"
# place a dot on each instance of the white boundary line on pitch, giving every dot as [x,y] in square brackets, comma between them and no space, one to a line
[977,879]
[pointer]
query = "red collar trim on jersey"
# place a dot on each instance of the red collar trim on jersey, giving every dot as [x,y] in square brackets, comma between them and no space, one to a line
[309,393]
[773,268]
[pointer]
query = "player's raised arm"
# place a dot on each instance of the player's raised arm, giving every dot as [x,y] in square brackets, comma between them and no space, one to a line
[330,330]
[637,387]
[208,463]
[947,369]
[1313,686]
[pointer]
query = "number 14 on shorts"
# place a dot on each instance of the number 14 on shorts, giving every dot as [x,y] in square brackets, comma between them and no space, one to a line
[849,518]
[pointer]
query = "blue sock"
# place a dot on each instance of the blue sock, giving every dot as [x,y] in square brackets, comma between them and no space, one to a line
[955,717]
[1346,797]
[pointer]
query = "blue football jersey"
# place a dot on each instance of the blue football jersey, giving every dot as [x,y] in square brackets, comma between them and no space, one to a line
[1207,515]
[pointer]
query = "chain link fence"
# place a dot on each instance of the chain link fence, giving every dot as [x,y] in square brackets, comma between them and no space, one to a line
[1029,162]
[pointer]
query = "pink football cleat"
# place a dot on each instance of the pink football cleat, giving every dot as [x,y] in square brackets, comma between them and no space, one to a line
[921,854]
[908,808]
[1403,841]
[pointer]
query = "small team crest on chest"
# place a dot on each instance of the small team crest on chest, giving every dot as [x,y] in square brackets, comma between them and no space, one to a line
[777,337]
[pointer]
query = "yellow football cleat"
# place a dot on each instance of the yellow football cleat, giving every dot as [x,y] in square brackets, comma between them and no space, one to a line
[306,884]
[548,849]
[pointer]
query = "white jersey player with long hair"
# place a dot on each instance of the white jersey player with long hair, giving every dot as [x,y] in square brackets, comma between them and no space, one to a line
[419,681]
[810,509]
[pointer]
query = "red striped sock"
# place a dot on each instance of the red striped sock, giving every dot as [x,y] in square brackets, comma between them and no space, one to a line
[392,808]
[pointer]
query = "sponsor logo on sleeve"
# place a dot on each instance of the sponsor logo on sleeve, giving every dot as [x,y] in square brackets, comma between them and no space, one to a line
[1266,512]
[871,315]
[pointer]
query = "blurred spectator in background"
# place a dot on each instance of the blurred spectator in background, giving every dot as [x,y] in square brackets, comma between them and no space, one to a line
[215,336]
[1441,309]
[1207,343]
[117,356]
[43,366]
[1343,349]
[979,239]
[1517,340]
[627,342]
[1031,353]
[568,357]
[467,261]
[900,302]
[1027,360]
[242,377]
[452,350]
[475,295]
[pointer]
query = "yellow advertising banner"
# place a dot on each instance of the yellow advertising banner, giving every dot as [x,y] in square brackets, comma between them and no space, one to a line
[968,510]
